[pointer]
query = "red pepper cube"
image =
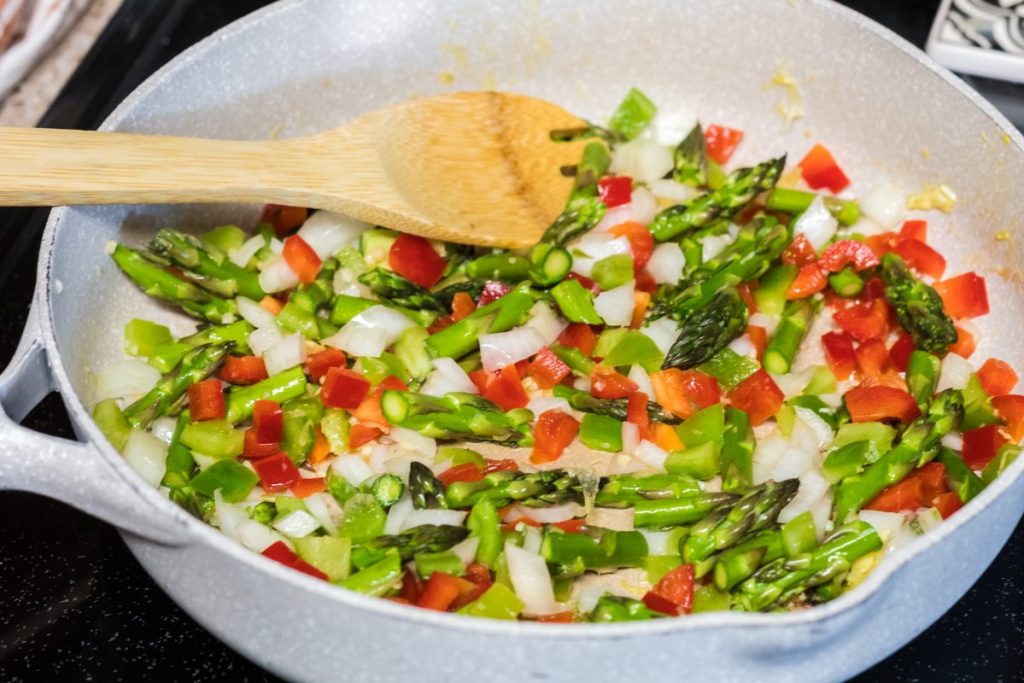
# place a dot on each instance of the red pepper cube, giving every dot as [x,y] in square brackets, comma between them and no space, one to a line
[758,396]
[206,400]
[554,432]
[721,142]
[301,258]
[981,445]
[839,354]
[820,170]
[492,291]
[252,447]
[809,281]
[268,421]
[605,382]
[965,343]
[677,588]
[947,503]
[276,472]
[800,252]
[506,389]
[900,352]
[320,362]
[997,377]
[284,219]
[641,242]
[580,336]
[363,433]
[844,253]
[921,257]
[868,320]
[873,359]
[964,296]
[1011,410]
[547,369]
[875,403]
[615,191]
[243,370]
[415,259]
[914,230]
[343,388]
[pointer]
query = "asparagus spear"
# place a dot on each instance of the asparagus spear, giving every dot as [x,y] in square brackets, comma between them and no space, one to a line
[592,548]
[180,466]
[700,270]
[445,294]
[457,416]
[426,490]
[165,397]
[189,254]
[918,445]
[739,562]
[615,608]
[426,538]
[590,130]
[626,490]
[691,159]
[780,581]
[612,407]
[918,307]
[397,290]
[922,376]
[676,511]
[741,187]
[536,489]
[781,350]
[161,284]
[708,330]
[579,217]
[237,332]
[726,526]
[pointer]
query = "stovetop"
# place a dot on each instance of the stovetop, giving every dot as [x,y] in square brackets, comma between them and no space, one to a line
[74,603]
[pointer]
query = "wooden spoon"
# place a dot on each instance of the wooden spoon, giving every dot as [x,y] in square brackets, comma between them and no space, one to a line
[475,167]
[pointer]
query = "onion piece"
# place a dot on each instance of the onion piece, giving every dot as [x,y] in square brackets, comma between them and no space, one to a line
[822,431]
[264,339]
[371,332]
[227,517]
[531,580]
[397,514]
[630,437]
[466,550]
[287,353]
[253,313]
[713,245]
[954,373]
[651,454]
[612,217]
[129,379]
[546,515]
[816,224]
[886,524]
[508,348]
[643,380]
[743,346]
[257,537]
[440,517]
[643,206]
[277,276]
[297,524]
[353,468]
[147,455]
[327,232]
[884,205]
[319,505]
[642,160]
[615,306]
[539,405]
[929,519]
[532,539]
[813,487]
[547,323]
[666,263]
[667,128]
[663,332]
[594,247]
[242,255]
[657,542]
[163,428]
[447,377]
[414,441]
[672,190]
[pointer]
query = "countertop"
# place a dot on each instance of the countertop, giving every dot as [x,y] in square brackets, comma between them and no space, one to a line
[75,605]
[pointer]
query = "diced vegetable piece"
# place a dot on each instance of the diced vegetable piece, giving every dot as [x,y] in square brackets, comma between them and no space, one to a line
[601,433]
[839,354]
[981,445]
[722,142]
[415,259]
[869,320]
[615,191]
[632,115]
[607,383]
[547,369]
[758,396]
[641,244]
[1004,458]
[206,400]
[279,552]
[276,472]
[874,403]
[964,296]
[233,479]
[997,377]
[301,258]
[820,170]
[844,253]
[215,438]
[555,430]
[243,370]
[575,302]
[284,219]
[343,388]
[1011,409]
[921,257]
[112,422]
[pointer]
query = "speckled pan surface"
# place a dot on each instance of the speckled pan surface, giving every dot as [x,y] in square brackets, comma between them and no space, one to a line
[298,67]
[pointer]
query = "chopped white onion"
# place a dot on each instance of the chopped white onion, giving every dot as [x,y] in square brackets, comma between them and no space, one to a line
[440,517]
[816,224]
[539,405]
[594,247]
[743,346]
[287,353]
[319,505]
[278,276]
[531,580]
[371,332]
[822,431]
[581,383]
[642,379]
[129,379]
[532,539]
[466,550]
[884,205]
[327,232]
[257,537]
[712,245]
[929,519]
[547,323]
[886,524]
[588,596]
[545,515]
[643,206]
[353,468]
[397,514]
[768,452]
[254,313]
[657,542]
[768,322]
[163,428]
[954,373]
[414,441]
[670,126]
[672,190]
[793,382]
[379,454]
[630,437]
[147,455]
[244,254]
[813,487]
[264,338]
[447,377]
[612,217]
[276,245]
[663,333]
[666,264]
[508,348]
[618,519]
[953,440]
[227,517]
[642,160]
[297,524]
[615,306]
[651,454]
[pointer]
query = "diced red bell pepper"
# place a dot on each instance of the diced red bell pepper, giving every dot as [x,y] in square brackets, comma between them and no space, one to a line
[809,281]
[580,336]
[284,219]
[636,413]
[882,243]
[441,591]
[869,320]
[279,552]
[343,388]
[554,431]
[307,486]
[558,618]
[873,358]
[467,471]
[644,281]
[1011,409]
[901,350]
[252,447]
[721,142]
[440,322]
[800,252]
[412,587]
[547,369]
[919,489]
[676,588]
[320,362]
[492,291]
[641,242]
[462,305]
[478,573]
[820,170]
[758,339]
[684,392]
[243,370]
[947,503]
[206,400]
[746,292]
[965,343]
[268,421]
[506,389]
[839,353]
[615,190]
[844,253]
[997,377]
[641,302]
[657,603]
[914,230]
[921,257]
[874,403]
[981,445]
[301,258]
[605,382]
[369,409]
[415,259]
[362,433]
[964,296]
[276,472]
[758,396]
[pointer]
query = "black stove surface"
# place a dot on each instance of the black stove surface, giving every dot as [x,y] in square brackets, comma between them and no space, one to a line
[74,603]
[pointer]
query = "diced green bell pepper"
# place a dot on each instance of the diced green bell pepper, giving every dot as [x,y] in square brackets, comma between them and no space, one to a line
[997,465]
[143,338]
[445,561]
[331,555]
[601,433]
[498,602]
[613,271]
[234,480]
[729,367]
[483,522]
[634,348]
[112,422]
[575,302]
[701,462]
[364,518]
[378,578]
[215,438]
[634,113]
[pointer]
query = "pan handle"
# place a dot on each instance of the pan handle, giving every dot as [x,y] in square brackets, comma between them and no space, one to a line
[69,471]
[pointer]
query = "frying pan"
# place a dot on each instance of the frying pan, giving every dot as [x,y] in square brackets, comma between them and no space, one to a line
[301,66]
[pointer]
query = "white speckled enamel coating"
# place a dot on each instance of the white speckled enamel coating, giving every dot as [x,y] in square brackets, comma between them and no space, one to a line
[298,67]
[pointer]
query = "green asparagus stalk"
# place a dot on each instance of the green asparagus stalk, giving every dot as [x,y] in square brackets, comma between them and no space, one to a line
[580,216]
[180,467]
[846,283]
[535,489]
[737,450]
[189,254]
[446,293]
[426,490]
[426,538]
[625,490]
[161,284]
[739,190]
[677,511]
[690,159]
[166,396]
[593,548]
[503,265]
[781,350]
[615,608]
[962,478]
[391,287]
[918,307]
[742,560]
[780,581]
[280,387]
[726,526]
[700,270]
[922,376]
[796,201]
[611,407]
[918,445]
[708,330]
[237,333]
[457,416]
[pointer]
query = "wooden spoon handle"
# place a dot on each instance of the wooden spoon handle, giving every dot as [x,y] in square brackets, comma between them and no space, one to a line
[47,167]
